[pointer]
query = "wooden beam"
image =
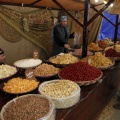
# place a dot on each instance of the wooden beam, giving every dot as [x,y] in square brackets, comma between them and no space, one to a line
[90,7]
[104,17]
[57,3]
[27,5]
[99,12]
[36,1]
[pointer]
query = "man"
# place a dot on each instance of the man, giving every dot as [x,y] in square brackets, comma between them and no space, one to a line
[2,56]
[61,36]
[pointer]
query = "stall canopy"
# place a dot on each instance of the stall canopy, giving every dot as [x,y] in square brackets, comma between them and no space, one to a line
[67,4]
[108,32]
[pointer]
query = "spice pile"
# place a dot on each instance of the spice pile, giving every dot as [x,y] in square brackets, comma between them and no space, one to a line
[116,47]
[19,85]
[45,70]
[80,71]
[112,53]
[6,71]
[64,59]
[29,107]
[98,60]
[94,47]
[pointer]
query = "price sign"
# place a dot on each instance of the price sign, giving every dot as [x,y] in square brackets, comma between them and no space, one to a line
[29,74]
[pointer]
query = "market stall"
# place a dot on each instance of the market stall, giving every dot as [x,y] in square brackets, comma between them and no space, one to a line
[84,86]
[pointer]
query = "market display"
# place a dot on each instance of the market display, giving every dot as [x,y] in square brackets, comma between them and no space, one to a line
[81,73]
[63,93]
[116,47]
[27,63]
[98,60]
[64,59]
[94,47]
[78,52]
[45,70]
[19,85]
[109,41]
[7,71]
[103,44]
[112,53]
[28,107]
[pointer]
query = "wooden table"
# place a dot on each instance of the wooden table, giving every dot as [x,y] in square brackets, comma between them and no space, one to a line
[92,101]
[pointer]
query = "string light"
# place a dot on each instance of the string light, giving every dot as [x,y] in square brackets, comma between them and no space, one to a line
[111,5]
[105,2]
[96,0]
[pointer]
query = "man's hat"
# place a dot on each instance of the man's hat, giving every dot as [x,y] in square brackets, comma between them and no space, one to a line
[1,51]
[63,18]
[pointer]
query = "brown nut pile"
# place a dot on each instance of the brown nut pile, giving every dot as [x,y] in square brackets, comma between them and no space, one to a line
[27,108]
[46,70]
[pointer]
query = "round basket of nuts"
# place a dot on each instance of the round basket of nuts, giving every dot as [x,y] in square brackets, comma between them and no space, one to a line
[64,93]
[46,71]
[28,107]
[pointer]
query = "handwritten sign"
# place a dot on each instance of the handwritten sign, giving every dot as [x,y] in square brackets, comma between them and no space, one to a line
[29,74]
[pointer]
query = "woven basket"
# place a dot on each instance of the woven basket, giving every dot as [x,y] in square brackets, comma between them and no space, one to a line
[8,32]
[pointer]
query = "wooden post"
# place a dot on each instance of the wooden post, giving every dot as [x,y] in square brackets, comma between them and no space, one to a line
[116,28]
[85,29]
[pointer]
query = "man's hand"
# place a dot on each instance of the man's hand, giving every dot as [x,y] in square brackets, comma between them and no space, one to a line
[66,46]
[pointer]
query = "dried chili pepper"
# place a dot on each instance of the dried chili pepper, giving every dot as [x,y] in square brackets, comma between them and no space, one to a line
[80,71]
[112,53]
